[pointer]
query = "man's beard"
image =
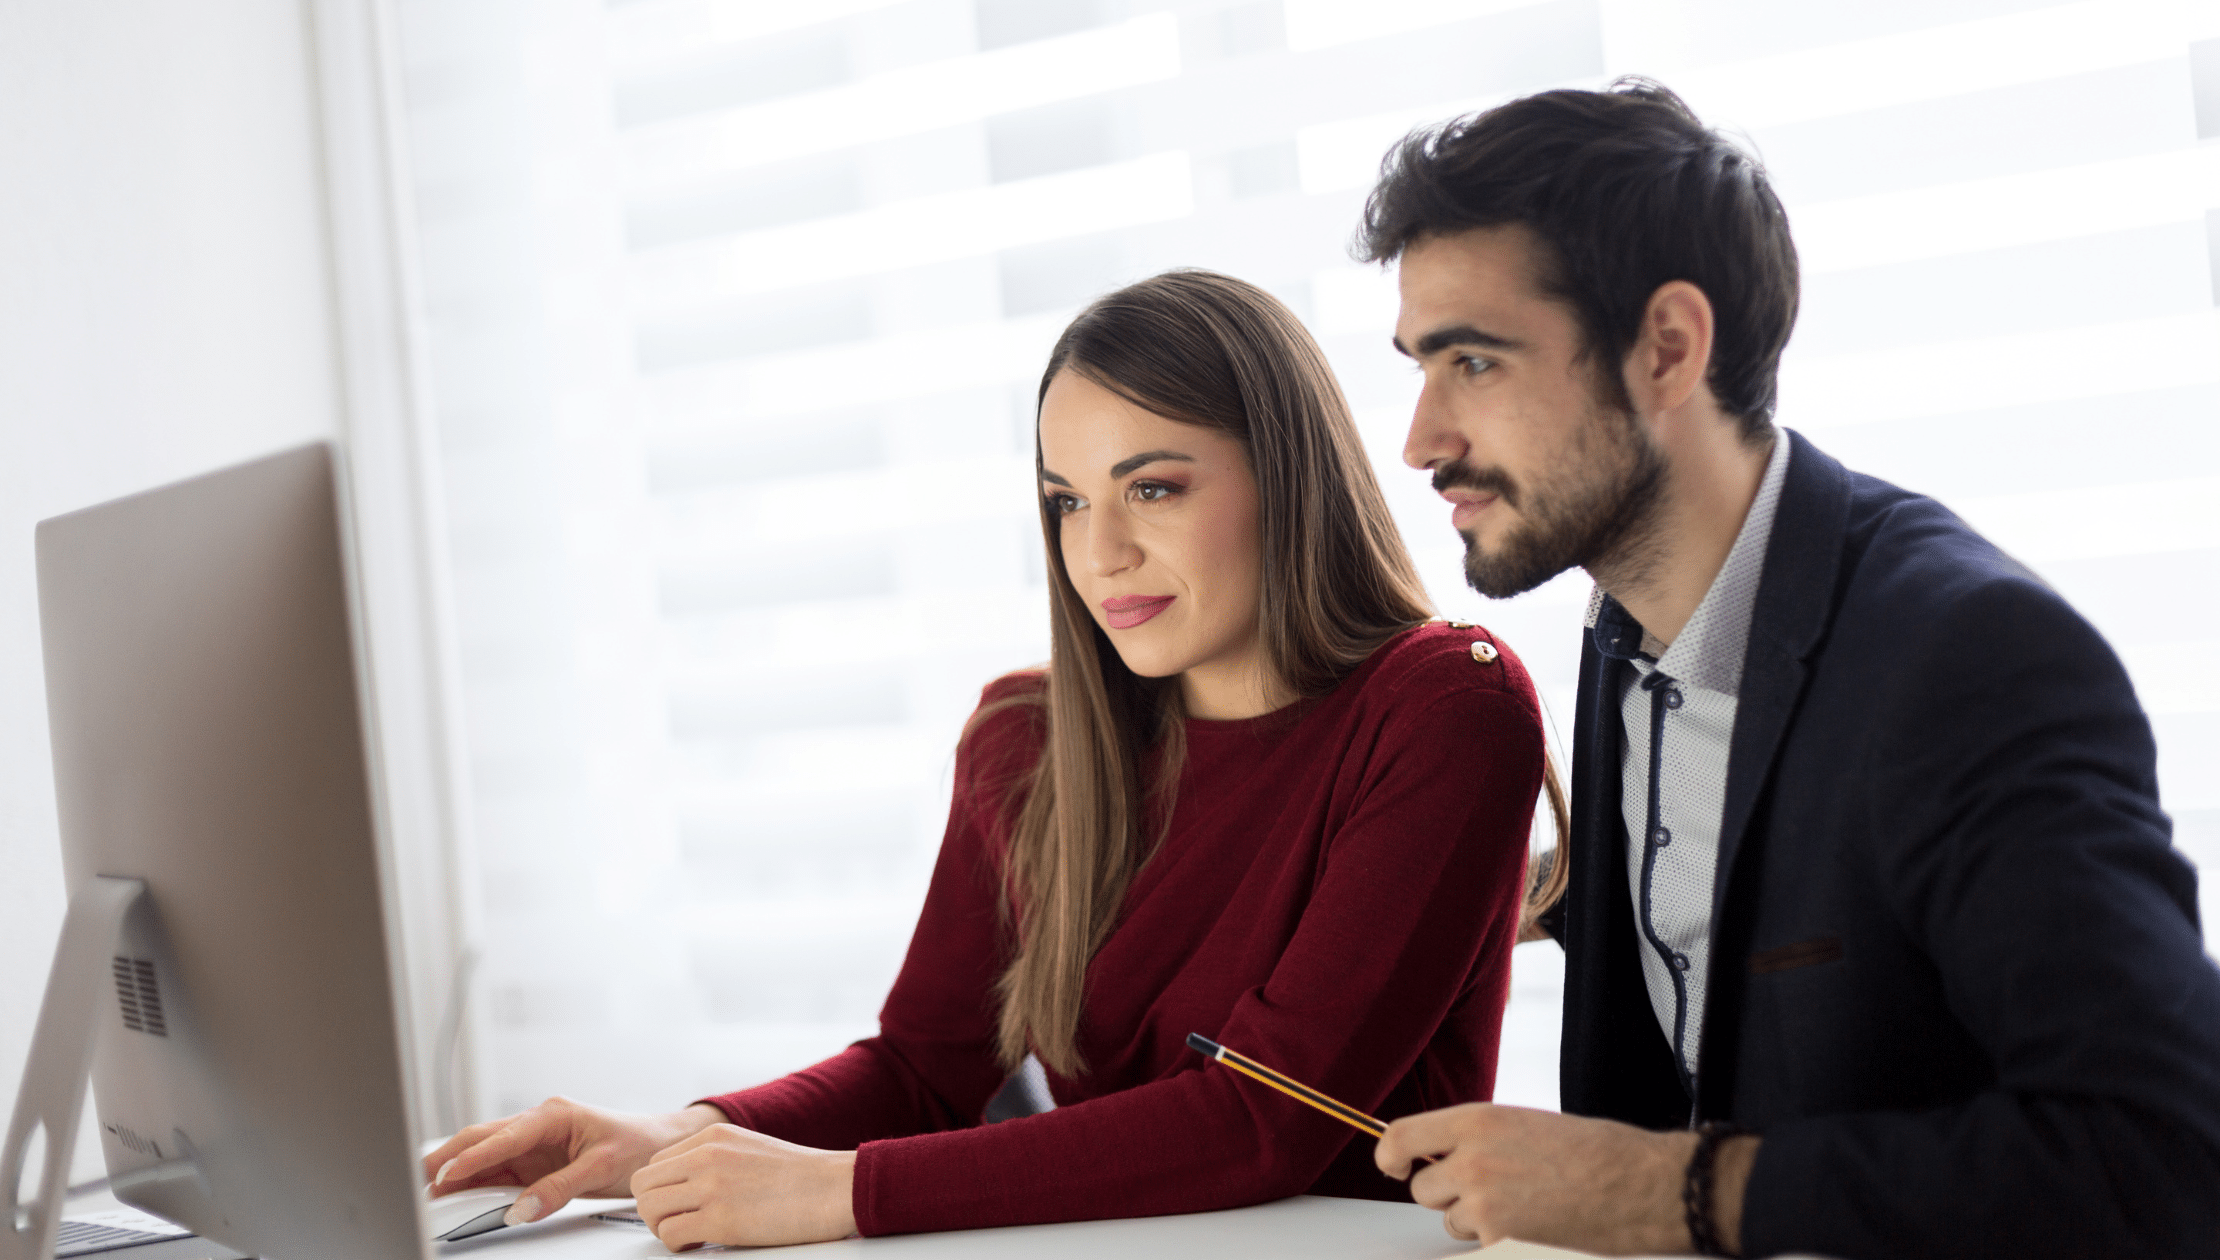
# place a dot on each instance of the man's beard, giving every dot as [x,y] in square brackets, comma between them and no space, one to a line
[1597,508]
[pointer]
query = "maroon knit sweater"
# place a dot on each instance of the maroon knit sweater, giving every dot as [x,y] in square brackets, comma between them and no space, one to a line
[1337,897]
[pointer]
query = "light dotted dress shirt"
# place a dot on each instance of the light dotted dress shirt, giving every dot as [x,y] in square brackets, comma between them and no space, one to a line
[1685,695]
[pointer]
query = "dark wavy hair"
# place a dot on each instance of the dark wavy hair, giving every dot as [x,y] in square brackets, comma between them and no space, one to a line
[1626,190]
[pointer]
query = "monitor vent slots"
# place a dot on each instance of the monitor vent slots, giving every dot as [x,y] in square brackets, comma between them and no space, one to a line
[140,997]
[132,1141]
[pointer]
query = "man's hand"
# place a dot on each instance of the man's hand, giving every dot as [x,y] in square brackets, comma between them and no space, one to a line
[732,1186]
[558,1151]
[1594,1185]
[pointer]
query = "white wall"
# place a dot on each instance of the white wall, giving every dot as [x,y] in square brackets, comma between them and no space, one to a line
[166,309]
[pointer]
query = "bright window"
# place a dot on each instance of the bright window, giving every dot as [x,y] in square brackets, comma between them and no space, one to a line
[737,307]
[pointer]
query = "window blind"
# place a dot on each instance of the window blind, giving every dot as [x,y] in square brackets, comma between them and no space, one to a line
[737,309]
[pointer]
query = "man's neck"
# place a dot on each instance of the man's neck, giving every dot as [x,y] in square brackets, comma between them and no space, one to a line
[1711,480]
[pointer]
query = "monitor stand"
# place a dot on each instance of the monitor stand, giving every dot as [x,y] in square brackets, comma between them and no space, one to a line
[53,1094]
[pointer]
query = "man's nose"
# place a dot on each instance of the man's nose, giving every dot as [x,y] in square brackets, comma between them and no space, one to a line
[1433,438]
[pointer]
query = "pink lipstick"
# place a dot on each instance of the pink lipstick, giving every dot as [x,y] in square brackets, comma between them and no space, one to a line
[1128,611]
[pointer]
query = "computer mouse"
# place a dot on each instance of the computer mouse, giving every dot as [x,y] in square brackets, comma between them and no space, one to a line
[468,1213]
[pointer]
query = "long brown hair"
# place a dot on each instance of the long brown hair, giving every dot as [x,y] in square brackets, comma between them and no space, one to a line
[1219,353]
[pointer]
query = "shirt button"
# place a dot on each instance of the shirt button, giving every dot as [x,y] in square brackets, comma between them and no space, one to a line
[1672,697]
[1680,962]
[1660,837]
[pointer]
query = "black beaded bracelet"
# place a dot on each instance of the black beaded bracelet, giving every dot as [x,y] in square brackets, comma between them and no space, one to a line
[1696,1192]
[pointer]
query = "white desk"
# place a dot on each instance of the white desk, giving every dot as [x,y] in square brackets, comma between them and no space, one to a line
[1291,1229]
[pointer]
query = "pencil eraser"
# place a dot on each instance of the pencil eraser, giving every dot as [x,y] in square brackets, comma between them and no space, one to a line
[1202,1044]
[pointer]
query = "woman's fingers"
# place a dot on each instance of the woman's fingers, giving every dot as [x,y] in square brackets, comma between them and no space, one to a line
[698,1138]
[680,1215]
[684,1231]
[584,1175]
[674,1209]
[558,1151]
[664,1202]
[730,1185]
[678,1192]
[719,1184]
[489,1153]
[553,1125]
[669,1167]
[463,1140]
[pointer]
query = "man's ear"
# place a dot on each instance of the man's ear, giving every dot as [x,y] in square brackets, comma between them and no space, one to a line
[1671,356]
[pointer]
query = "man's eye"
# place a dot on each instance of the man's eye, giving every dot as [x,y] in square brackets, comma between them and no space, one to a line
[1467,365]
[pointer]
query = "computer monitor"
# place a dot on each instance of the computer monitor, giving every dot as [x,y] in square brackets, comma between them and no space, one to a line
[204,686]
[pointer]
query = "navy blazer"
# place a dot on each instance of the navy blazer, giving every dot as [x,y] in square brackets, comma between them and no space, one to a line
[1956,976]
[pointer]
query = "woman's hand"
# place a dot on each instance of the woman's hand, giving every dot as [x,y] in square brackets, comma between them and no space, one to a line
[559,1151]
[729,1185]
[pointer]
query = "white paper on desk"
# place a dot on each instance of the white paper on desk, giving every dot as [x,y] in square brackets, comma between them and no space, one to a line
[1513,1249]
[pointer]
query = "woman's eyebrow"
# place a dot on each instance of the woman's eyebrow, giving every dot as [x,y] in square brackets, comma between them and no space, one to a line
[1056,478]
[1131,462]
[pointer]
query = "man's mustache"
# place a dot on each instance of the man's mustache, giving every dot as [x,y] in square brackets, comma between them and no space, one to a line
[1464,476]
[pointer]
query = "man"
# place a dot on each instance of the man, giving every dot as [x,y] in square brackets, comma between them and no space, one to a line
[1875,941]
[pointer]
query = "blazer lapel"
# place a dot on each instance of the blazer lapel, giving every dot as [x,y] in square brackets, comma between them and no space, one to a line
[1795,601]
[1614,1060]
[1795,604]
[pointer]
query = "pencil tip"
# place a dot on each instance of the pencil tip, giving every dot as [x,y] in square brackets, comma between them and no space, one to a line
[1198,1042]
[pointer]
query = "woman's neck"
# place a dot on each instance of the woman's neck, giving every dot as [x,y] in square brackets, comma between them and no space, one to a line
[1228,691]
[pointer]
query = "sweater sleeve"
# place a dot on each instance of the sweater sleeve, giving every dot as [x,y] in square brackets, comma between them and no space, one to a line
[1419,877]
[932,1066]
[2026,853]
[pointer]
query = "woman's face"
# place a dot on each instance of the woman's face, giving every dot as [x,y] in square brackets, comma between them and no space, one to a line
[1158,525]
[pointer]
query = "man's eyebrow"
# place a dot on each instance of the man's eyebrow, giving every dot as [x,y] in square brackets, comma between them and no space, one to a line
[1462,335]
[1128,464]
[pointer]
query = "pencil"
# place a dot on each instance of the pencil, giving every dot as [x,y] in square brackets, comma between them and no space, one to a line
[1294,1089]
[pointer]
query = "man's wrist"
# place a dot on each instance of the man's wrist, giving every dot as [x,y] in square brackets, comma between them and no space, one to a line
[1715,1173]
[1636,1207]
[1730,1178]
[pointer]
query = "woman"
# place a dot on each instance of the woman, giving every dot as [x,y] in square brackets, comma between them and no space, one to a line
[1255,794]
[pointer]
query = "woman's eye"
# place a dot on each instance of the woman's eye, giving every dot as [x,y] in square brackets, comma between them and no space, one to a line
[1063,504]
[1153,491]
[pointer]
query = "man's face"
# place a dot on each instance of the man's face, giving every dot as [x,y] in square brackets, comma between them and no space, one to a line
[1543,472]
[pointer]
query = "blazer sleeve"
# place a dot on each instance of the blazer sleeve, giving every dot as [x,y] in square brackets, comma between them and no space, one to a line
[2023,849]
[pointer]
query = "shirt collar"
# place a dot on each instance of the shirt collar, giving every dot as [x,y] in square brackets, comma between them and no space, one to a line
[1711,646]
[1615,631]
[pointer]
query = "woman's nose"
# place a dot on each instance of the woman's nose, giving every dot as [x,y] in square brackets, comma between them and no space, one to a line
[1110,546]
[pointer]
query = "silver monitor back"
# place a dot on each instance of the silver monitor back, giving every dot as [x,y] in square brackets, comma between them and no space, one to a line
[208,739]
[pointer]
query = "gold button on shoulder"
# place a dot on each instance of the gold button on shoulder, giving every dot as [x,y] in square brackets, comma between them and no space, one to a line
[1483,651]
[1464,625]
